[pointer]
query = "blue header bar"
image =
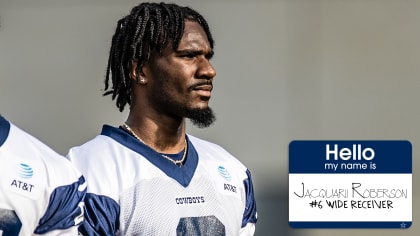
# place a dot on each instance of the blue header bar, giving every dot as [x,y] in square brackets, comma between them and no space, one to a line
[350,156]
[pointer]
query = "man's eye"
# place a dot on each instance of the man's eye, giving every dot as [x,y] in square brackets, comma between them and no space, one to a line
[190,55]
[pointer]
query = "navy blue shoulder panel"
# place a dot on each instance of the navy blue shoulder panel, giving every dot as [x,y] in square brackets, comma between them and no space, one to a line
[250,214]
[4,130]
[182,175]
[101,216]
[64,208]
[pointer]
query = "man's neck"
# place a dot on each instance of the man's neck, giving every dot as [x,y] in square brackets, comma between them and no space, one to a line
[162,134]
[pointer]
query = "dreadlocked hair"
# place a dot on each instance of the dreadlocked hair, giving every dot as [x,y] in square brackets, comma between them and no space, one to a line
[148,27]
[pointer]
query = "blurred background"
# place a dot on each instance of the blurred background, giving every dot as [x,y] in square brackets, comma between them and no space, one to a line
[286,70]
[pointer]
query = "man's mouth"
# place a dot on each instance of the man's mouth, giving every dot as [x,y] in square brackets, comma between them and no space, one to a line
[203,90]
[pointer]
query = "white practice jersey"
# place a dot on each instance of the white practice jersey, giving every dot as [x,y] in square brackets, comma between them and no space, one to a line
[40,191]
[133,190]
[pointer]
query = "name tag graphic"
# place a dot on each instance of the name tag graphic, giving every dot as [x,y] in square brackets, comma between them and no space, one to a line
[350,184]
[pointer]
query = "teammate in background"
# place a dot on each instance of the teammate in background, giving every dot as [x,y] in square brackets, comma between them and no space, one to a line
[147,176]
[40,191]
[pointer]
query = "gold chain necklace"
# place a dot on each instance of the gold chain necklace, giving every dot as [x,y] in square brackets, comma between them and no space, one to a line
[176,162]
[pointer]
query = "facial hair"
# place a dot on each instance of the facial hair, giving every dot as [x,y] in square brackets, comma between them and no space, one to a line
[202,118]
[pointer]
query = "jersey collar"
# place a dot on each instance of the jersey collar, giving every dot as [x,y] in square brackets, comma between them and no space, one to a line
[182,175]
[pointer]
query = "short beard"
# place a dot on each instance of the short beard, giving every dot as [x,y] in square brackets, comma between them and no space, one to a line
[202,118]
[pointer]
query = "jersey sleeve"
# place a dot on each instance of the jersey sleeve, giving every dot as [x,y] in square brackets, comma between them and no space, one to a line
[250,213]
[101,216]
[65,208]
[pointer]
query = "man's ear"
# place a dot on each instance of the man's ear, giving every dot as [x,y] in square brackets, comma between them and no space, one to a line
[138,76]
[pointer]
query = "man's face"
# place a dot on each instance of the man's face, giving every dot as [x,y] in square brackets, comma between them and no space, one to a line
[181,80]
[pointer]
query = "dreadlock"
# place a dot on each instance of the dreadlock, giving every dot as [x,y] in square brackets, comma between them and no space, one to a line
[148,27]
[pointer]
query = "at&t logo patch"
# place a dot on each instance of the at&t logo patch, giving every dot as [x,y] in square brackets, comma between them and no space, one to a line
[224,173]
[25,171]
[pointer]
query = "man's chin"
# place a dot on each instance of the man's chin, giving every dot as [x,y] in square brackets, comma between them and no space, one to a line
[201,117]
